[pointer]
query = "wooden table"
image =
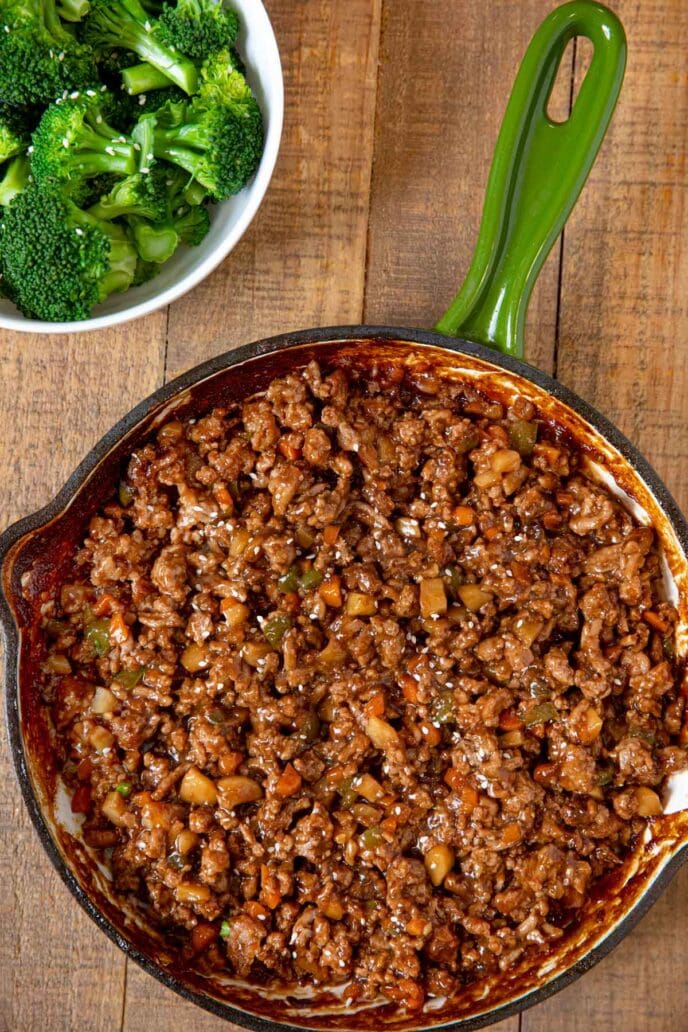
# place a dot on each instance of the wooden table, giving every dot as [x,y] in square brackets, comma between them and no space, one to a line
[392,112]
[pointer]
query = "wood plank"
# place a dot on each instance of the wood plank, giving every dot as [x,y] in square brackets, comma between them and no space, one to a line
[302,262]
[58,395]
[623,327]
[445,77]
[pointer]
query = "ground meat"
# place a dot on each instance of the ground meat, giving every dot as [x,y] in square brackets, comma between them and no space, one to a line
[363,680]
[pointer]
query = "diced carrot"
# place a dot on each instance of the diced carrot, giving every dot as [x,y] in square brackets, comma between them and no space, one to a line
[84,769]
[470,797]
[656,622]
[106,605]
[330,591]
[81,800]
[292,602]
[409,688]
[431,734]
[330,533]
[416,661]
[202,936]
[289,449]
[289,782]
[119,631]
[271,898]
[389,825]
[376,706]
[224,498]
[490,533]
[509,720]
[416,926]
[454,778]
[511,834]
[520,572]
[464,515]
[256,910]
[407,992]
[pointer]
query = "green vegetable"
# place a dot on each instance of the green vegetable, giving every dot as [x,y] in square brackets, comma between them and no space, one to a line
[275,628]
[468,443]
[14,180]
[15,134]
[309,727]
[98,636]
[179,223]
[311,578]
[443,711]
[176,861]
[540,714]
[348,792]
[74,141]
[56,260]
[289,581]
[124,788]
[523,436]
[39,58]
[372,837]
[130,678]
[217,142]
[125,23]
[225,929]
[454,579]
[125,494]
[198,27]
[142,194]
[604,776]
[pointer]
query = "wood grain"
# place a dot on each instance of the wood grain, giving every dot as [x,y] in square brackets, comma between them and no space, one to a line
[393,108]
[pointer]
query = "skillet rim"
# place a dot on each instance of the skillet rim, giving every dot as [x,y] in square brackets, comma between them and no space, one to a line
[61,501]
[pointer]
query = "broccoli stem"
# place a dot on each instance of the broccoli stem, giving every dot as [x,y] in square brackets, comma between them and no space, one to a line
[51,20]
[15,179]
[123,261]
[176,67]
[142,78]
[73,10]
[171,151]
[154,243]
[98,153]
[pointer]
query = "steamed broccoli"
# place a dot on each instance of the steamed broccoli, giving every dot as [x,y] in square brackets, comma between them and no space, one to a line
[58,261]
[14,132]
[183,222]
[219,145]
[125,23]
[198,27]
[15,178]
[143,194]
[73,10]
[74,141]
[39,58]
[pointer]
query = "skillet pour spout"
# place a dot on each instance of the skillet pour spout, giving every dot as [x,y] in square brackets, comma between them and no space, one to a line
[538,171]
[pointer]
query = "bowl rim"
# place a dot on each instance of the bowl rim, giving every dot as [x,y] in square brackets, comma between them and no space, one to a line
[15,321]
[31,523]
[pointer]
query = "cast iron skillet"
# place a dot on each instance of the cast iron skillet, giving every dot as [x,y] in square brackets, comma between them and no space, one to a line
[538,171]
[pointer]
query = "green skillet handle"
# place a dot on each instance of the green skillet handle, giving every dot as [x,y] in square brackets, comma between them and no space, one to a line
[538,170]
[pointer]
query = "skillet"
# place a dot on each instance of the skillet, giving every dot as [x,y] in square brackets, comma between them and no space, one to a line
[538,171]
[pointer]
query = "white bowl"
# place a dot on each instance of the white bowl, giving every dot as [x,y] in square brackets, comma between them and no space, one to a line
[228,220]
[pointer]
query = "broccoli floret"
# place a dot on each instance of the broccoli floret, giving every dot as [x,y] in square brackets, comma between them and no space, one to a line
[15,134]
[74,141]
[198,27]
[58,261]
[145,271]
[125,23]
[182,223]
[218,144]
[39,58]
[15,178]
[143,194]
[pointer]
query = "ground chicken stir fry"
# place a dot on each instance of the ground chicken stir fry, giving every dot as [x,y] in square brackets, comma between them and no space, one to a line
[363,681]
